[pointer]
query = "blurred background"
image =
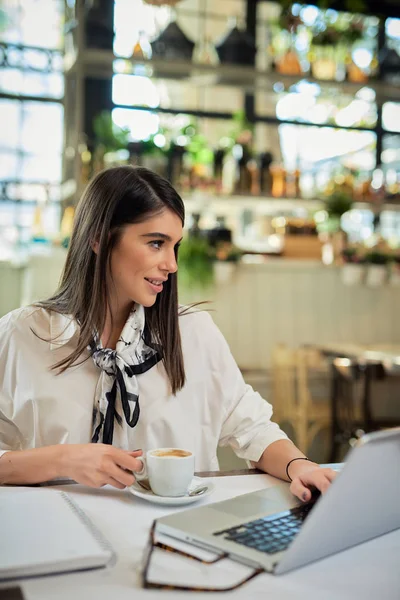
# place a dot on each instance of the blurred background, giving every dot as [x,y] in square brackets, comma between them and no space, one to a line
[279,124]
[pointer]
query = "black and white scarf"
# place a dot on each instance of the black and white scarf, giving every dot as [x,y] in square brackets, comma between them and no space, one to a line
[117,391]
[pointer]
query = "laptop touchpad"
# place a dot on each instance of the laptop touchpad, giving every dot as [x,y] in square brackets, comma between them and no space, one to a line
[265,502]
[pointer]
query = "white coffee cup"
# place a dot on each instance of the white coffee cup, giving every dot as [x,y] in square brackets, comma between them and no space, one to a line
[169,470]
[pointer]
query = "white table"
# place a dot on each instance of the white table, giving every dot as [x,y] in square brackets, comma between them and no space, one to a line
[368,571]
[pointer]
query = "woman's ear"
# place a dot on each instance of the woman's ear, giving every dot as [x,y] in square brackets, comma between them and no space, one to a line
[95,247]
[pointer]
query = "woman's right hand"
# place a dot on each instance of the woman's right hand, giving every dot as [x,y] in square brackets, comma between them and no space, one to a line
[96,465]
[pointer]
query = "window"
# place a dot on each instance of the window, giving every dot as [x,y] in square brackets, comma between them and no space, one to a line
[31,136]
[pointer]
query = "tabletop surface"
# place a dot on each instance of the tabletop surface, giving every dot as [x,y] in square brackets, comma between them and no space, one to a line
[368,571]
[389,353]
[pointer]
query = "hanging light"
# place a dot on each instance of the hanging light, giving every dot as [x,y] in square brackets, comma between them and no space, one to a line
[162,2]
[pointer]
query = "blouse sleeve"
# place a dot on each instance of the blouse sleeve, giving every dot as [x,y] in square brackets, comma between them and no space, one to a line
[10,436]
[246,420]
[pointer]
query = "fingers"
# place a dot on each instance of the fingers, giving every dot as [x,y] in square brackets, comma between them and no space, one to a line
[316,478]
[122,476]
[115,483]
[135,453]
[127,460]
[330,474]
[301,491]
[116,467]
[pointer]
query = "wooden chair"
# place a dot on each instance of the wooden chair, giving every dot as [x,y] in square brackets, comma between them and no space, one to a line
[295,374]
[356,409]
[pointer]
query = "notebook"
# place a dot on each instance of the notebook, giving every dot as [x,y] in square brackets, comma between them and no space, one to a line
[44,532]
[272,529]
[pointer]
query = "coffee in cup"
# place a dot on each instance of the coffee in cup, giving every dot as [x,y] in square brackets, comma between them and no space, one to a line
[171,452]
[169,471]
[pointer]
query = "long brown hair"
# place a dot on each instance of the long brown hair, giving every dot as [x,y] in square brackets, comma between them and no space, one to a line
[115,198]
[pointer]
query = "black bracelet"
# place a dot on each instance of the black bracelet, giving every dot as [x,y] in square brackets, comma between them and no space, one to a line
[290,462]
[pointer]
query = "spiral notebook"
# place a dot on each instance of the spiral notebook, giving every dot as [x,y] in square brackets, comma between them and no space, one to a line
[45,532]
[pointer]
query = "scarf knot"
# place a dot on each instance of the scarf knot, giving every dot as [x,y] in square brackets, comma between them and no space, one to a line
[106,359]
[117,391]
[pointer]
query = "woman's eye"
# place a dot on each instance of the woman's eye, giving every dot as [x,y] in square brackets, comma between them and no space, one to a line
[156,244]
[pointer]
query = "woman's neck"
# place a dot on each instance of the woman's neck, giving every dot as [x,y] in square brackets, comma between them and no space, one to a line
[113,326]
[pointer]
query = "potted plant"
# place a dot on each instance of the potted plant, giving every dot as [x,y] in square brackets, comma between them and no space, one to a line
[353,270]
[336,204]
[283,46]
[108,138]
[147,154]
[323,57]
[227,256]
[377,260]
[395,269]
[352,33]
[195,263]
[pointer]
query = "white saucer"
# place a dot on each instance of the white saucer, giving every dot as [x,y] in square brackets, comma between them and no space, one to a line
[136,490]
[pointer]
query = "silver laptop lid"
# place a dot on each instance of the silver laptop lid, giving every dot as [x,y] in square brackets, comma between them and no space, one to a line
[363,503]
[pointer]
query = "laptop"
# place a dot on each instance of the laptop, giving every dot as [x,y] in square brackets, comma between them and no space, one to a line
[272,529]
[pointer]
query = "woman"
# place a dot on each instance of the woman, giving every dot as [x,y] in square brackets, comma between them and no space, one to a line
[110,363]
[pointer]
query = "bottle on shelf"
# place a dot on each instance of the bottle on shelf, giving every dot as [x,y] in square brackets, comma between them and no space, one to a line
[243,183]
[175,164]
[377,189]
[392,184]
[205,53]
[265,160]
[291,185]
[194,229]
[278,173]
[289,63]
[362,188]
[242,153]
[142,47]
[307,185]
[254,173]
[229,174]
[218,168]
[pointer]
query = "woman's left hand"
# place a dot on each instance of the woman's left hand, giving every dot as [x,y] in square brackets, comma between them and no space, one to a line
[310,477]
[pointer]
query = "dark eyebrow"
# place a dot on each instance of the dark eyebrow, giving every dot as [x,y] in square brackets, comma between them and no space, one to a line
[162,236]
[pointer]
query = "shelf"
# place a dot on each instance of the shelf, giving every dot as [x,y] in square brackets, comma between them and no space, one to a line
[263,204]
[100,63]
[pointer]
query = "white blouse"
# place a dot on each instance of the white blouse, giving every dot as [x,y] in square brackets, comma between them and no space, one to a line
[38,407]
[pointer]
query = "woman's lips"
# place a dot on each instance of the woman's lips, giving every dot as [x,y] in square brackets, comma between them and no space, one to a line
[155,284]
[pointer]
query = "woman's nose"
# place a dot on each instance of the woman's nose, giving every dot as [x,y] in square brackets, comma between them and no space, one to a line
[171,264]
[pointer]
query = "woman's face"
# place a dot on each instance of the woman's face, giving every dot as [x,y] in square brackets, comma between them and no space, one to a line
[143,259]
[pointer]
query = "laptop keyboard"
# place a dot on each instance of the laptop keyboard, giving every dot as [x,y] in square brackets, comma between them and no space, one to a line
[270,534]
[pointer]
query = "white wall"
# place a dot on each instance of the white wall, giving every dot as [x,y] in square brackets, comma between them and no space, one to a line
[288,301]
[296,302]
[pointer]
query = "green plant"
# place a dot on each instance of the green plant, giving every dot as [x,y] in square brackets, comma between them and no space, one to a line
[146,147]
[227,252]
[354,6]
[377,257]
[352,32]
[108,135]
[326,37]
[352,255]
[149,148]
[195,263]
[338,203]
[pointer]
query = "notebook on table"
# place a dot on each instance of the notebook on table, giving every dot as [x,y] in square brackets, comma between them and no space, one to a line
[45,532]
[273,530]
